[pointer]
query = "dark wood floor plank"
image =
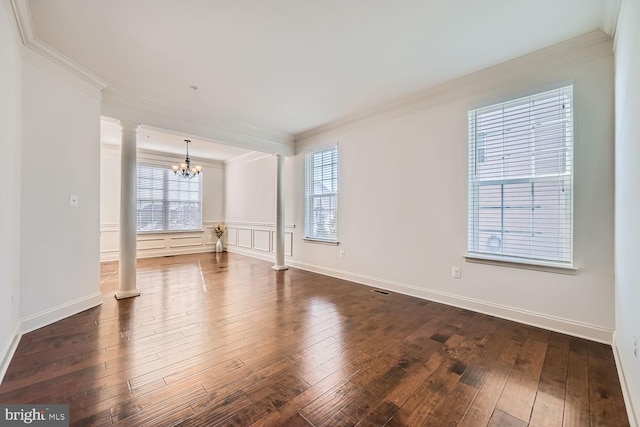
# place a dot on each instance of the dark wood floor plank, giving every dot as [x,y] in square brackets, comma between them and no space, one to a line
[605,395]
[576,408]
[380,416]
[423,403]
[249,414]
[165,396]
[276,389]
[416,377]
[338,419]
[520,390]
[501,419]
[219,411]
[373,393]
[296,420]
[291,408]
[96,418]
[547,411]
[332,401]
[157,416]
[553,378]
[96,400]
[455,406]
[499,357]
[221,339]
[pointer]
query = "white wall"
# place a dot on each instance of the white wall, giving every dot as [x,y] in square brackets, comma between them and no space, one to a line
[250,184]
[158,244]
[403,190]
[250,205]
[627,204]
[60,156]
[10,129]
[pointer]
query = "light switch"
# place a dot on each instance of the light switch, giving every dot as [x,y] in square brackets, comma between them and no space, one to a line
[73,200]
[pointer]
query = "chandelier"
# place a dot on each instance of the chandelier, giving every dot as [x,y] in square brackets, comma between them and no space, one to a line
[185,170]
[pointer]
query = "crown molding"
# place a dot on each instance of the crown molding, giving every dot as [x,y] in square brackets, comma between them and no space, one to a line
[161,115]
[587,47]
[622,6]
[22,15]
[611,12]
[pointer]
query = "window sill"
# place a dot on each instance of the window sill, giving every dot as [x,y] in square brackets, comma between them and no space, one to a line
[321,242]
[549,267]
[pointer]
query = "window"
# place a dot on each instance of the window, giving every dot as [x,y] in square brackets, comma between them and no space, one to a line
[521,179]
[167,202]
[321,195]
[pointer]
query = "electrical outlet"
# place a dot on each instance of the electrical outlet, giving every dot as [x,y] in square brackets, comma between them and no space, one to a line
[73,200]
[635,347]
[456,272]
[342,254]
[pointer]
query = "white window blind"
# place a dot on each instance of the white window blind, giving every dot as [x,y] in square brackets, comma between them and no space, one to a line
[321,191]
[521,179]
[167,202]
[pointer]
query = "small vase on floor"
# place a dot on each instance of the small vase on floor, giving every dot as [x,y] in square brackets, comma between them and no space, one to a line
[218,245]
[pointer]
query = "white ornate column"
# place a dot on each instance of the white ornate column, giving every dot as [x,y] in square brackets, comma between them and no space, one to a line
[128,201]
[279,265]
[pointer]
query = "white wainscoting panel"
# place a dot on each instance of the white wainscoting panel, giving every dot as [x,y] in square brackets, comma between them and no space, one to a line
[245,238]
[109,242]
[288,242]
[262,240]
[159,244]
[147,243]
[184,241]
[257,238]
[232,236]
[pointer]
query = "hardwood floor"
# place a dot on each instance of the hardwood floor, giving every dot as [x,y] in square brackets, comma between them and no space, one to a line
[221,339]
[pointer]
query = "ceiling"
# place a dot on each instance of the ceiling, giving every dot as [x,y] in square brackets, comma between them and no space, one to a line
[290,66]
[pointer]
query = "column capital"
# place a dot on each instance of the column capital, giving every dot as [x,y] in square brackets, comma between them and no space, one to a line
[128,126]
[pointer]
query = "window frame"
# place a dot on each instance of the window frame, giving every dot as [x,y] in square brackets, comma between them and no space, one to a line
[309,197]
[477,146]
[168,174]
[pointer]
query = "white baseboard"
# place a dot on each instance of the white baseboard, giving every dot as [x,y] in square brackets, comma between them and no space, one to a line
[557,324]
[266,256]
[9,352]
[60,312]
[628,401]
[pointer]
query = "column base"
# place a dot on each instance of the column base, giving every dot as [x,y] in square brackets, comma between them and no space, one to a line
[279,267]
[127,294]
